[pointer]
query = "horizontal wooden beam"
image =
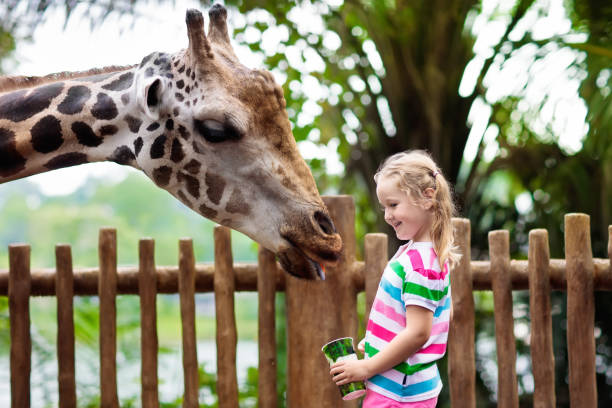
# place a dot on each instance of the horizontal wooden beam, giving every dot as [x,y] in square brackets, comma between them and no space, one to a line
[86,279]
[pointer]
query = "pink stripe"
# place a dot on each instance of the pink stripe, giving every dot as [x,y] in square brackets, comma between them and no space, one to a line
[434,349]
[439,328]
[389,312]
[432,258]
[381,332]
[417,265]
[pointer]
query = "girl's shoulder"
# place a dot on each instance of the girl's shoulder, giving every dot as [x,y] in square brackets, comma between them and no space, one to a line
[422,248]
[418,256]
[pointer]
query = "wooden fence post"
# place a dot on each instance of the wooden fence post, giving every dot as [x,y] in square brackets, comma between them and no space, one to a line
[147,290]
[461,364]
[187,299]
[499,252]
[19,315]
[320,311]
[580,311]
[542,357]
[107,292]
[375,255]
[64,292]
[266,329]
[227,383]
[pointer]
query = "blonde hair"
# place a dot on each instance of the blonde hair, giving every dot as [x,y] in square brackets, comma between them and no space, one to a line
[416,171]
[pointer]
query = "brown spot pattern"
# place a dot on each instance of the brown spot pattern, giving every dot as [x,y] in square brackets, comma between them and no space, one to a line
[237,203]
[215,187]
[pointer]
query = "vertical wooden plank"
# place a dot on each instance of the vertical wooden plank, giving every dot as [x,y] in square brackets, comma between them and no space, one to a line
[610,247]
[580,311]
[107,292]
[542,356]
[224,283]
[64,292]
[375,255]
[320,311]
[187,299]
[19,316]
[499,252]
[266,331]
[147,289]
[461,358]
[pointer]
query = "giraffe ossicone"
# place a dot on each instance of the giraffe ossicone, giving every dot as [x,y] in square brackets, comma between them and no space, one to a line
[212,132]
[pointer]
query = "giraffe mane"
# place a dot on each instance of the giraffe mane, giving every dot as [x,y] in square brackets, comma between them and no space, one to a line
[12,83]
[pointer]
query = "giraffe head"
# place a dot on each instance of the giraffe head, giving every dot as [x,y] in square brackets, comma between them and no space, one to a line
[225,148]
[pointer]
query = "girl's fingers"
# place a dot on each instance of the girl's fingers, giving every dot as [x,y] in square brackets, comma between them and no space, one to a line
[336,371]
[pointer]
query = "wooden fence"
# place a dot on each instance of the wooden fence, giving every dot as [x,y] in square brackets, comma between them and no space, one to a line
[316,313]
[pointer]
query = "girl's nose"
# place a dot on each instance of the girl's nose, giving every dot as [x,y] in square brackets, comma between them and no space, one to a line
[388,216]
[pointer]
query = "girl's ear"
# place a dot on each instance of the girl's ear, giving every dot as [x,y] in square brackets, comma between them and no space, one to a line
[428,195]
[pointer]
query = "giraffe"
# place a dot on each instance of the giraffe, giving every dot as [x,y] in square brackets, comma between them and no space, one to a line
[210,131]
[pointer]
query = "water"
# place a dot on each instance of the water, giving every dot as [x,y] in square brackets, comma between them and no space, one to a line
[170,373]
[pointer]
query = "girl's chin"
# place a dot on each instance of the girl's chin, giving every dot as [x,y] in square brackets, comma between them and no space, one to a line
[402,237]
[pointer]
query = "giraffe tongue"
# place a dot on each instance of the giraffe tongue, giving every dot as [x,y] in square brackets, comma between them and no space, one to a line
[320,268]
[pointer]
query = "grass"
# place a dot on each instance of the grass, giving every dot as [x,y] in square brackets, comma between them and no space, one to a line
[43,312]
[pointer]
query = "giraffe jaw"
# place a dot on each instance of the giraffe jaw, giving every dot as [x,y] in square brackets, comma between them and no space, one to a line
[297,264]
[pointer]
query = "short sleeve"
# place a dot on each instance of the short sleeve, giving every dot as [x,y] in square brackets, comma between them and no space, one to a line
[421,287]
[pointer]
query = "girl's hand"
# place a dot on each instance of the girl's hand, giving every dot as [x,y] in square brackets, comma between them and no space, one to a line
[349,371]
[361,346]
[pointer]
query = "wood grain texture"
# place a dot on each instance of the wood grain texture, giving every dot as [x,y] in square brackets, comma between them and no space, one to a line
[266,330]
[107,293]
[542,356]
[187,300]
[86,279]
[375,256]
[19,316]
[580,311]
[147,288]
[461,367]
[227,337]
[65,327]
[499,253]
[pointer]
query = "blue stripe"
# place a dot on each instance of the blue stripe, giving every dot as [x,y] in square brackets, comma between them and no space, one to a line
[442,308]
[394,292]
[406,390]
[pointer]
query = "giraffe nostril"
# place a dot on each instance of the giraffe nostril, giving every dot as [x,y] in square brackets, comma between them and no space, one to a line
[326,224]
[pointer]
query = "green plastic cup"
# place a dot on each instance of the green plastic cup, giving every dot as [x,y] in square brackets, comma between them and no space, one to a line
[339,350]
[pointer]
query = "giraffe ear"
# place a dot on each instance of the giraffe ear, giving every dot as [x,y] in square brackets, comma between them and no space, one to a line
[149,96]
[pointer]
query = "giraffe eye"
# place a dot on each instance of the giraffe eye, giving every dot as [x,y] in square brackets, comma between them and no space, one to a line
[215,132]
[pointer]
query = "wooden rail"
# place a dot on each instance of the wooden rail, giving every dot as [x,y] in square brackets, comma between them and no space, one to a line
[317,312]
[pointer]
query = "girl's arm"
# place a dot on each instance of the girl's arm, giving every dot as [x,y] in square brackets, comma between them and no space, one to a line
[406,343]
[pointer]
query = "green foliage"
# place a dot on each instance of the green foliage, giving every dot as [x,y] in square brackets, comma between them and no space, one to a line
[135,207]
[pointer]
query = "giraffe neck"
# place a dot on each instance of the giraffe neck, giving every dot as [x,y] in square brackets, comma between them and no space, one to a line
[68,122]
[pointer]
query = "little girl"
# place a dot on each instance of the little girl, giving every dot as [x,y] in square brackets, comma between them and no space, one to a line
[408,326]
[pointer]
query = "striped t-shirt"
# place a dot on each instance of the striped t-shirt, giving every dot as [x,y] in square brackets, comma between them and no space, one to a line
[412,277]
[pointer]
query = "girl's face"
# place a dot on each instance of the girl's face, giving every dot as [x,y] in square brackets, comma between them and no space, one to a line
[410,218]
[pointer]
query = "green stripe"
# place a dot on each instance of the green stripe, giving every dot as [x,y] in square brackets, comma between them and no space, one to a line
[432,294]
[403,367]
[398,269]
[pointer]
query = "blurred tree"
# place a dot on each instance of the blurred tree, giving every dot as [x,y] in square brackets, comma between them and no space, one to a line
[367,79]
[511,98]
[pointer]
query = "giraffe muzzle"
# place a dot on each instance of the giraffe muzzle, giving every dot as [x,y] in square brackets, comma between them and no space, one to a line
[314,243]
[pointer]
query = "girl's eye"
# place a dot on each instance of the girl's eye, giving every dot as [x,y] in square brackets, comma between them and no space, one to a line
[215,132]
